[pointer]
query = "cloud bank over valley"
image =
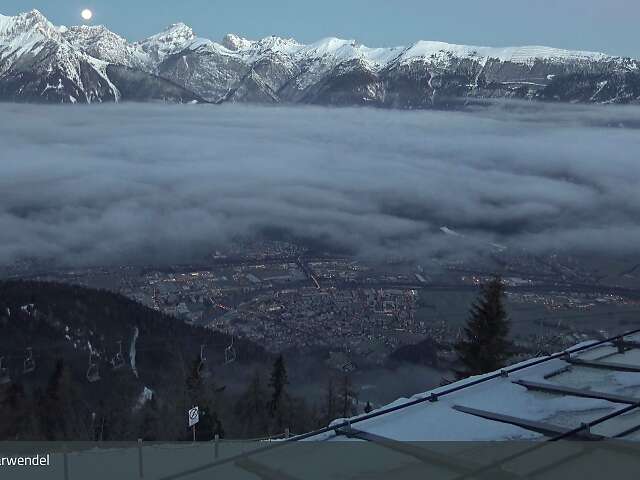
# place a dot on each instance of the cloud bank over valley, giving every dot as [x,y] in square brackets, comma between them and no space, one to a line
[136,183]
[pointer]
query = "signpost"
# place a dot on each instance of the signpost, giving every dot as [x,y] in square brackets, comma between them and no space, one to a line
[194,418]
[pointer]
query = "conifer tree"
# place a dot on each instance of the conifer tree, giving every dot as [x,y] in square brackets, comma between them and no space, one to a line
[279,381]
[195,384]
[251,409]
[60,408]
[15,412]
[485,346]
[279,398]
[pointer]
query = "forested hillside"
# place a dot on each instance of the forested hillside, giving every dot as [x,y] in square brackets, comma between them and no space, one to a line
[82,364]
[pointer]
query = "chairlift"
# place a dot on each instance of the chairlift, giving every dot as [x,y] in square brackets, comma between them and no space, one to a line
[203,371]
[93,374]
[29,361]
[117,362]
[230,353]
[4,373]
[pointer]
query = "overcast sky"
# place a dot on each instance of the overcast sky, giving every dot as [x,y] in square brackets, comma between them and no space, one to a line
[156,183]
[600,25]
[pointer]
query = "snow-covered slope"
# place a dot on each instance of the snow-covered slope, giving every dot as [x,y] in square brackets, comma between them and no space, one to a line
[26,33]
[426,74]
[336,50]
[522,55]
[330,71]
[173,40]
[101,43]
[40,62]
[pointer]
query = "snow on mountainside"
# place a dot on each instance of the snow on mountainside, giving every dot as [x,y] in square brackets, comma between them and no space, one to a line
[105,45]
[331,71]
[522,55]
[40,62]
[36,62]
[173,40]
[24,33]
[234,42]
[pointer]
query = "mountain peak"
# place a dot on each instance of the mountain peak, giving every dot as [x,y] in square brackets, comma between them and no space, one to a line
[34,14]
[91,31]
[103,44]
[331,70]
[26,32]
[35,19]
[173,39]
[176,31]
[25,21]
[235,43]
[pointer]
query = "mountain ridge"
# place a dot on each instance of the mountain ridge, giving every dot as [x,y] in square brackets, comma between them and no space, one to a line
[331,71]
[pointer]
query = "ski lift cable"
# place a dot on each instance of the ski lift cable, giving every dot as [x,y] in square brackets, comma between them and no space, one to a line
[161,344]
[149,346]
[65,343]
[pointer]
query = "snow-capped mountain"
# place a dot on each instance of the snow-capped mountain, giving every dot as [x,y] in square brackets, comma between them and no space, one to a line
[99,65]
[101,43]
[42,62]
[173,40]
[424,75]
[36,62]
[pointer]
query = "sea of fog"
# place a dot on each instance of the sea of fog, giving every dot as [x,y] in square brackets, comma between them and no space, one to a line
[156,183]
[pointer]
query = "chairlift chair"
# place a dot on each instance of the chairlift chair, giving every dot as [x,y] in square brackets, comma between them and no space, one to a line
[203,371]
[4,373]
[118,360]
[29,361]
[230,353]
[93,374]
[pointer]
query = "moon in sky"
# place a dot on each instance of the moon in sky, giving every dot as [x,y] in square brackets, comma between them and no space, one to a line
[86,14]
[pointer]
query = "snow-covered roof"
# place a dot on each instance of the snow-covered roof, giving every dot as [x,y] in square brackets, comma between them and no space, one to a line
[589,392]
[532,400]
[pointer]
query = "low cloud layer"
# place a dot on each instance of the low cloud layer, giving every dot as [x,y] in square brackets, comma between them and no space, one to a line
[150,183]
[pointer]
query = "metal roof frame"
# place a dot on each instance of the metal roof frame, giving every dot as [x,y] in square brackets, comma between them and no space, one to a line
[546,429]
[576,392]
[618,367]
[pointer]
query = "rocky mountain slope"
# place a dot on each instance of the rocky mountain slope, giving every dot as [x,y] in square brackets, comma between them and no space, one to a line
[41,62]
